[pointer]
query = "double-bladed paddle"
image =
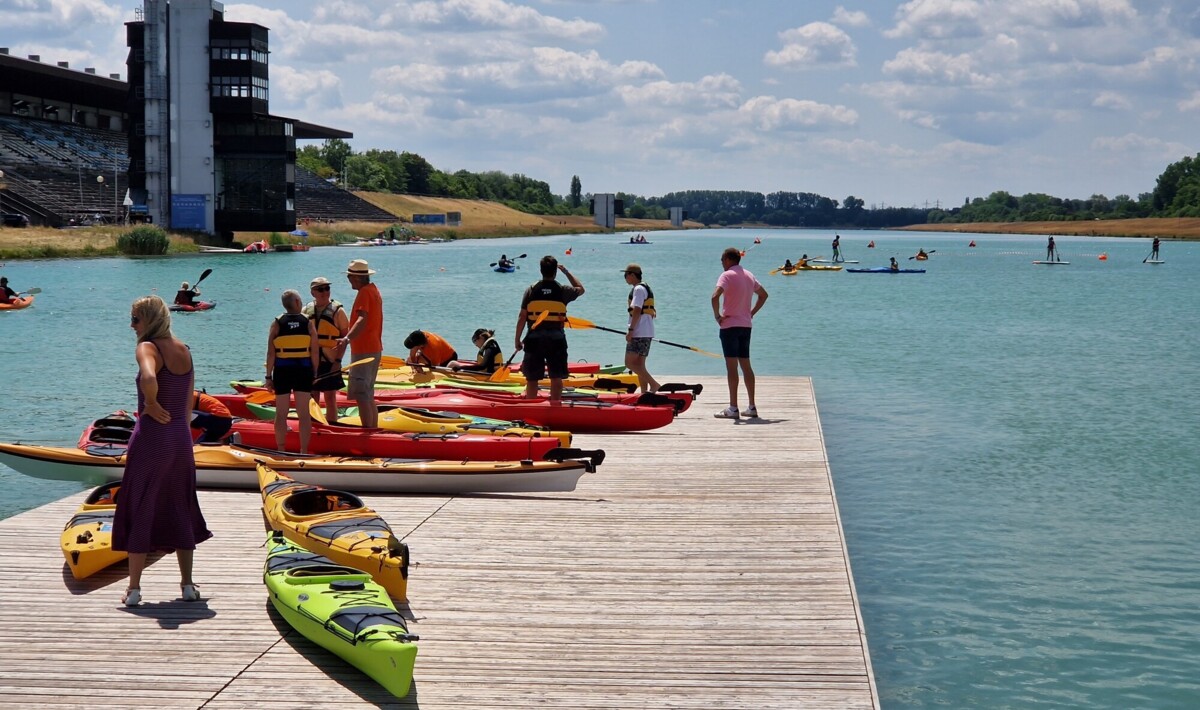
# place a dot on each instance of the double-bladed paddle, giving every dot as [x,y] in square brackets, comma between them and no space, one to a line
[574,322]
[519,256]
[914,256]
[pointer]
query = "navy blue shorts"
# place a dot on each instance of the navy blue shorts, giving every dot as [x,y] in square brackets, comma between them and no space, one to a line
[321,383]
[735,342]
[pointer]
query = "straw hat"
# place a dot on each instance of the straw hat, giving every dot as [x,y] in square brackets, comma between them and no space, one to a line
[359,267]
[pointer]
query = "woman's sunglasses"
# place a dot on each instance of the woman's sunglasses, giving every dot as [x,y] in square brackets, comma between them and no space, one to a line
[134,320]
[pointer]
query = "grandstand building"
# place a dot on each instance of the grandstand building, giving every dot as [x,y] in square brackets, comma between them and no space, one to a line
[188,142]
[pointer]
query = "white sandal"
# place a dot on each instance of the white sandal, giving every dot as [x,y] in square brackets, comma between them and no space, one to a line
[190,592]
[132,597]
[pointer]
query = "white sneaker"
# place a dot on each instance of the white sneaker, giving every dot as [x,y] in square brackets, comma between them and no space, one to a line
[752,412]
[132,597]
[727,413]
[190,593]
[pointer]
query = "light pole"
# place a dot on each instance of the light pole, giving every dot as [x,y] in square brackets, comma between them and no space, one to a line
[116,210]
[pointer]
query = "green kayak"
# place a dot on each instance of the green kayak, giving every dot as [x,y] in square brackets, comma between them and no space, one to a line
[342,610]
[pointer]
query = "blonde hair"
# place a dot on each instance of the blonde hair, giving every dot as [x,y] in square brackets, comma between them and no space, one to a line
[154,317]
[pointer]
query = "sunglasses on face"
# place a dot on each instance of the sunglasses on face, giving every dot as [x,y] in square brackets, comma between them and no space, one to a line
[320,288]
[134,320]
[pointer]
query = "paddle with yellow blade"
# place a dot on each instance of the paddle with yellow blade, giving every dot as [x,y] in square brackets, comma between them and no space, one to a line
[574,322]
[502,374]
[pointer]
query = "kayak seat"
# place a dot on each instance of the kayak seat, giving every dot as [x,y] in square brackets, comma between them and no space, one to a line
[315,501]
[110,435]
[104,495]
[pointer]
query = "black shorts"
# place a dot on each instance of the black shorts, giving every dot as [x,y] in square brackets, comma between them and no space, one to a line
[545,356]
[330,383]
[293,378]
[735,342]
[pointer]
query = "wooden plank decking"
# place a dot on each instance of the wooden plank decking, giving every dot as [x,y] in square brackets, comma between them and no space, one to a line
[702,566]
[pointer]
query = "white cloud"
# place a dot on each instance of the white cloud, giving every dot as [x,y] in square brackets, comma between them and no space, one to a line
[460,16]
[1111,100]
[711,92]
[927,67]
[817,44]
[316,90]
[1191,103]
[1134,144]
[848,18]
[767,113]
[938,19]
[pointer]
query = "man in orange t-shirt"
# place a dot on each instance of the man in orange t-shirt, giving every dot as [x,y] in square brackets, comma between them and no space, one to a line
[426,349]
[365,338]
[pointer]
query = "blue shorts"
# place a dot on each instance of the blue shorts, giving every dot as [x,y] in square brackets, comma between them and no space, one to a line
[735,342]
[293,378]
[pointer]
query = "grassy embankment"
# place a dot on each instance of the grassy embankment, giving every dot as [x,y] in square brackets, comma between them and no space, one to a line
[480,219]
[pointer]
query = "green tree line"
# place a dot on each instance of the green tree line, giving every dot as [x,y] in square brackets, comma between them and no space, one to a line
[1176,194]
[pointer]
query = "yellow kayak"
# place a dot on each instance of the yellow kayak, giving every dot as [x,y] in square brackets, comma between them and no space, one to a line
[87,538]
[337,525]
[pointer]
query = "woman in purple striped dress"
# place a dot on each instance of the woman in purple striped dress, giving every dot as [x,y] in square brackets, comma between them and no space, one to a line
[157,508]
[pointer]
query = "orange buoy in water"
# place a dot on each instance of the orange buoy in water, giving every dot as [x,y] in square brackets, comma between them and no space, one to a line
[871,245]
[1104,257]
[568,251]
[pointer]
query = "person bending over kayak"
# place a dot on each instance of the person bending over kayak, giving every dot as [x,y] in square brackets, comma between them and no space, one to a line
[186,296]
[211,417]
[426,349]
[489,359]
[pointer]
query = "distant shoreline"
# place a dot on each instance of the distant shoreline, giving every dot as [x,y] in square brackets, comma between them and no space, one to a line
[497,221]
[1172,228]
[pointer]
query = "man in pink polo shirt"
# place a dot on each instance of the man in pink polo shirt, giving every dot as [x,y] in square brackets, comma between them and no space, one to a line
[735,317]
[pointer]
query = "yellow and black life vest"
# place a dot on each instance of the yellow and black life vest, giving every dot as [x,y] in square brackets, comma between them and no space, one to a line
[647,305]
[292,341]
[497,356]
[327,330]
[547,296]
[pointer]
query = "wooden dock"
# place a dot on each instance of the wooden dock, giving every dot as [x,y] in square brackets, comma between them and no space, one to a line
[702,566]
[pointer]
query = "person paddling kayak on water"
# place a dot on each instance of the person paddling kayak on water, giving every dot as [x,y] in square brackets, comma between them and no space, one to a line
[7,295]
[186,296]
[894,266]
[504,262]
[803,262]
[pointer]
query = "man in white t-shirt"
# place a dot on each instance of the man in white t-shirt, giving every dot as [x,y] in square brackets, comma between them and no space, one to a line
[641,328]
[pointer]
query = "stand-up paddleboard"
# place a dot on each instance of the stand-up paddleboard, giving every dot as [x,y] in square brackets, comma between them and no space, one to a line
[1052,263]
[1155,261]
[831,261]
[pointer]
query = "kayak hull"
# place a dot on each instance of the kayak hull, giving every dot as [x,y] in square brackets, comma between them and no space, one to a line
[885,270]
[233,467]
[355,441]
[306,589]
[199,306]
[17,304]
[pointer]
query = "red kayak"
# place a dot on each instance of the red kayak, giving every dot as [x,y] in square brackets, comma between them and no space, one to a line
[679,396]
[570,414]
[197,306]
[331,439]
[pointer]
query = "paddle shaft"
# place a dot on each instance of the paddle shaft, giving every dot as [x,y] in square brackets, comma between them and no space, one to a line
[657,340]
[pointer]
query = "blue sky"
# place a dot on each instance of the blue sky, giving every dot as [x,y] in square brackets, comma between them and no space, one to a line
[897,103]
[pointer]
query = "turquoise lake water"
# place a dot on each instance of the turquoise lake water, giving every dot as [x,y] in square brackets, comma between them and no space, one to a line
[1013,446]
